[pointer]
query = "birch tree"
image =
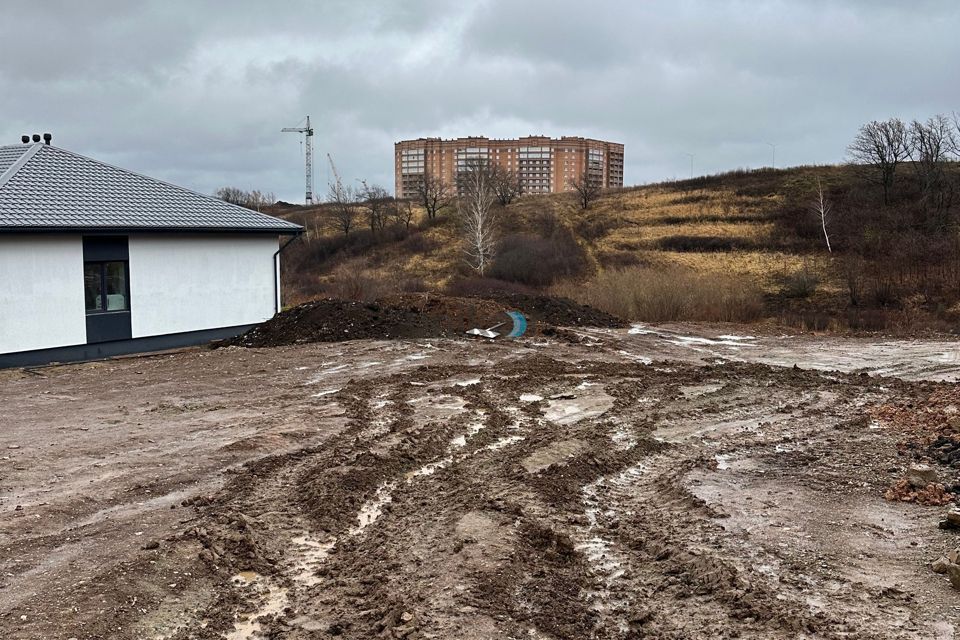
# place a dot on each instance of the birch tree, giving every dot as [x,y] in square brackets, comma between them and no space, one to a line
[477,215]
[822,208]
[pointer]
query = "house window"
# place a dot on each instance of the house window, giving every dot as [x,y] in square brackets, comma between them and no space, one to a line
[105,287]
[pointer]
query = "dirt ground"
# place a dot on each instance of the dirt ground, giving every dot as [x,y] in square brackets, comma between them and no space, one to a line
[650,482]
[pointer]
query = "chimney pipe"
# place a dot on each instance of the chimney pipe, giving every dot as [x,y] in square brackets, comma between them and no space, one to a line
[25,139]
[47,137]
[36,137]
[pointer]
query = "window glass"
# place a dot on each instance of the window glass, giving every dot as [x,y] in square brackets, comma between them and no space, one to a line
[116,282]
[92,287]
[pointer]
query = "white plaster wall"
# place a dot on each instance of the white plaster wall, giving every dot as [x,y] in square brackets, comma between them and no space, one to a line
[184,283]
[41,292]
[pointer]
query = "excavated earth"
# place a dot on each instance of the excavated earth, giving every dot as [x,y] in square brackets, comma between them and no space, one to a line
[650,482]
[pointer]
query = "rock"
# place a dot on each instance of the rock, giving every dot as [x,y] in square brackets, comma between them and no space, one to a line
[406,616]
[952,520]
[953,572]
[153,544]
[920,475]
[940,565]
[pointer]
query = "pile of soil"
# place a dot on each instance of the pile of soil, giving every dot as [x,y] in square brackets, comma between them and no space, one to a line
[416,316]
[556,311]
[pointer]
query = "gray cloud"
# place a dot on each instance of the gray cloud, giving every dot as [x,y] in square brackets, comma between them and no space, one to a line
[197,92]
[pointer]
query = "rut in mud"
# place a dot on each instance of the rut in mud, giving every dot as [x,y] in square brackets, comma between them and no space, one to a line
[545,499]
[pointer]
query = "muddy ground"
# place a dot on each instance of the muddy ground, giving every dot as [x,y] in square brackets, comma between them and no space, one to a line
[653,482]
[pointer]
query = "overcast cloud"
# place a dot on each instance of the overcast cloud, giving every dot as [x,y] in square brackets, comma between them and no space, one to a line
[196,92]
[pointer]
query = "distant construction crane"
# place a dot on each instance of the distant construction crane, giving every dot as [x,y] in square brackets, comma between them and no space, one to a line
[338,183]
[307,131]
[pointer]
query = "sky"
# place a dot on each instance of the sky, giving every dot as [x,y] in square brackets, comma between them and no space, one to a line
[196,92]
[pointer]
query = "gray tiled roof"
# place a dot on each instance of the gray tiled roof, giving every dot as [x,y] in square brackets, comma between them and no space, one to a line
[57,189]
[9,155]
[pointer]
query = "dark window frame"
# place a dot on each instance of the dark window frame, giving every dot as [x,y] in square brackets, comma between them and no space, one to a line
[102,264]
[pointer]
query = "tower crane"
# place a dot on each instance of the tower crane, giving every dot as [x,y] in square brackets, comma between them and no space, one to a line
[307,131]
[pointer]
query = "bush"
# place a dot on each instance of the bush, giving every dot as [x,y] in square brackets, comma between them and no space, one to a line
[662,295]
[802,283]
[705,244]
[538,262]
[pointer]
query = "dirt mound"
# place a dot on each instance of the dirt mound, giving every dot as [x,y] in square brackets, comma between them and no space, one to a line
[557,311]
[415,316]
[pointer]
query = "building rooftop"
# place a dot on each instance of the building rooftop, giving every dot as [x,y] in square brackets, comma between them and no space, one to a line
[46,188]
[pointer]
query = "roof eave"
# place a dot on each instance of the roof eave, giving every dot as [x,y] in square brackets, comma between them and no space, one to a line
[283,231]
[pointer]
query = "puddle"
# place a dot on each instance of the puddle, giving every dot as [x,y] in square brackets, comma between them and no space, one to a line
[245,577]
[530,397]
[325,392]
[373,508]
[639,329]
[468,383]
[276,601]
[633,356]
[697,390]
[321,375]
[603,556]
[569,410]
[503,442]
[312,554]
[723,461]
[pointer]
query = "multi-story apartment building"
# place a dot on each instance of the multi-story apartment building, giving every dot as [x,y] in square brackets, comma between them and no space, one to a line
[542,164]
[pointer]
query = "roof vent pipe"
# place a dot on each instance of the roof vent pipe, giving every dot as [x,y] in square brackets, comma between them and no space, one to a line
[47,137]
[36,137]
[25,139]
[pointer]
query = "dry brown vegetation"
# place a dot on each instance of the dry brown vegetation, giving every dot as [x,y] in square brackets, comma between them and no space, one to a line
[739,246]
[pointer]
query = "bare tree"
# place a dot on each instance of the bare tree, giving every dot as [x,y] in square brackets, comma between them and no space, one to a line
[433,194]
[931,142]
[342,203]
[882,146]
[587,188]
[255,199]
[822,208]
[506,185]
[402,213]
[477,215]
[233,195]
[258,199]
[376,200]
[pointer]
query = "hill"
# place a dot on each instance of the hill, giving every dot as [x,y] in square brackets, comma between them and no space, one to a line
[738,246]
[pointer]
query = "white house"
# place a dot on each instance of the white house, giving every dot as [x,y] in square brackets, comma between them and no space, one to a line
[97,261]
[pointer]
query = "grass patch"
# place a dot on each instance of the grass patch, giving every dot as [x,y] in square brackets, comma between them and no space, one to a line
[655,295]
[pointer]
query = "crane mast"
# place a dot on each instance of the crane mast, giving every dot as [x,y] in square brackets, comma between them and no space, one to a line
[307,132]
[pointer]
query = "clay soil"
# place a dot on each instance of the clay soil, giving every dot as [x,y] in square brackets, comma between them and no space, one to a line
[668,482]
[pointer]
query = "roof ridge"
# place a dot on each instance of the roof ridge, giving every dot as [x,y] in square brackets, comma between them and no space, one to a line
[244,210]
[19,162]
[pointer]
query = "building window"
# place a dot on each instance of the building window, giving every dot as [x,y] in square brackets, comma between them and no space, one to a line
[105,287]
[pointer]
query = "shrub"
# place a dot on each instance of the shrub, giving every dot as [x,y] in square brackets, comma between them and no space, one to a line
[662,295]
[536,261]
[705,244]
[802,283]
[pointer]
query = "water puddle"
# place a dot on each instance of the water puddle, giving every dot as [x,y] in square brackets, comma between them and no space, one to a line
[275,601]
[603,556]
[530,397]
[373,508]
[312,553]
